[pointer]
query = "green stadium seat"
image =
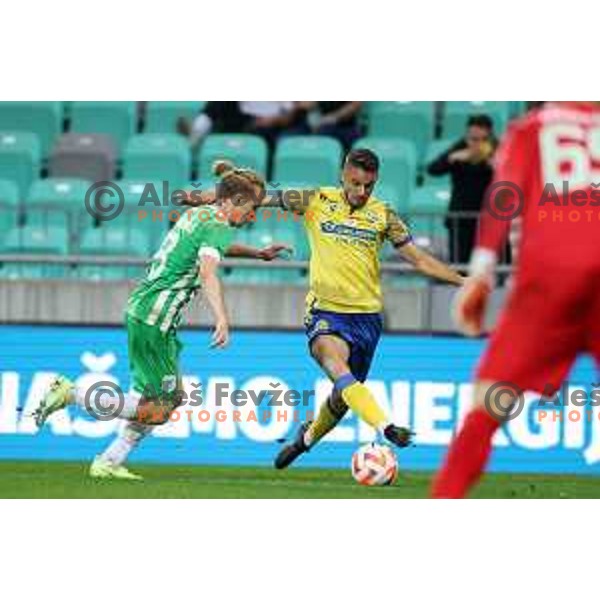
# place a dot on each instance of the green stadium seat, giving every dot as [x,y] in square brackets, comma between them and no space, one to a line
[161,117]
[42,118]
[43,218]
[516,108]
[145,210]
[158,156]
[429,200]
[20,158]
[435,149]
[426,107]
[413,121]
[112,240]
[314,159]
[243,149]
[398,168]
[266,232]
[286,228]
[388,194]
[59,202]
[429,232]
[35,240]
[117,119]
[456,114]
[9,206]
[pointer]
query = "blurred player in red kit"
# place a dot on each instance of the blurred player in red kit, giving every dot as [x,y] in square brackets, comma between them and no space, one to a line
[548,173]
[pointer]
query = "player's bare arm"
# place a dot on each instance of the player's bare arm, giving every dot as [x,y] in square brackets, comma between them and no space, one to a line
[213,292]
[430,266]
[399,236]
[267,253]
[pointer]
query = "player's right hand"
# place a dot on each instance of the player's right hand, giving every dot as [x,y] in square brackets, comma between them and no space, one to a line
[470,304]
[220,337]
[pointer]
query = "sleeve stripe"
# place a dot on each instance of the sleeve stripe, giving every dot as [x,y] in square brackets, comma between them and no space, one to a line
[403,242]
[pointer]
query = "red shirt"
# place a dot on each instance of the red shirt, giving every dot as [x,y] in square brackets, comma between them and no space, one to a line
[552,156]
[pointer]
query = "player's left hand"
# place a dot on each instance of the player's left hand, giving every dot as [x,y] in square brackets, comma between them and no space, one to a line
[220,338]
[273,251]
[470,304]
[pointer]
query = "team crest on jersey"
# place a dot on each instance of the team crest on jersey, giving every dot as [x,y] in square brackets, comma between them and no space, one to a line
[321,325]
[332,205]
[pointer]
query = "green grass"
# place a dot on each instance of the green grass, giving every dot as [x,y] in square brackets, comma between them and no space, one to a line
[69,480]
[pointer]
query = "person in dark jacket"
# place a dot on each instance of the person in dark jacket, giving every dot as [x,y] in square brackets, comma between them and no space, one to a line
[340,120]
[469,164]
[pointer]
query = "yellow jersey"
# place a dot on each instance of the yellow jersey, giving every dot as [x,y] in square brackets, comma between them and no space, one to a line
[345,272]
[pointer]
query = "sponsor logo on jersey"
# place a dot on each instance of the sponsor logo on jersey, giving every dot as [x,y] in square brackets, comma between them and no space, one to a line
[341,229]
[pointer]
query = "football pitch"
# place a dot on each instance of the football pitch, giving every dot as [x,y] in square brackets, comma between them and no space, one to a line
[69,480]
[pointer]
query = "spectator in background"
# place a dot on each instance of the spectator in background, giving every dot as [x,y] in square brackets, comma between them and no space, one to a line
[469,164]
[267,119]
[336,119]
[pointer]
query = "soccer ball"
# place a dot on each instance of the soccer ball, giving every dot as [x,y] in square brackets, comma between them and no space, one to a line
[374,464]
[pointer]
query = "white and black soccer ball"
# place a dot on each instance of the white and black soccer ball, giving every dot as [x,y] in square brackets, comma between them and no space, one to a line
[374,464]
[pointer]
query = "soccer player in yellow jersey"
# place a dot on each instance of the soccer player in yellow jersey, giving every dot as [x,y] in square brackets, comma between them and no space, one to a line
[346,228]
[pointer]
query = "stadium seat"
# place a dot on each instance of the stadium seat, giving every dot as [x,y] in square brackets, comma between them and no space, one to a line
[244,150]
[9,206]
[429,232]
[426,107]
[457,113]
[117,119]
[398,169]
[158,156]
[59,203]
[35,240]
[145,209]
[313,159]
[161,117]
[268,231]
[91,156]
[388,194]
[516,108]
[113,240]
[434,150]
[20,158]
[286,228]
[413,121]
[429,200]
[67,105]
[42,118]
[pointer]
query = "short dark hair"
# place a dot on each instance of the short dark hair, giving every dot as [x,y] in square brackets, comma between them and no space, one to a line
[481,120]
[364,159]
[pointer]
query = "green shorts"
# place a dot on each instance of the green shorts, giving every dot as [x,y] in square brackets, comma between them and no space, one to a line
[153,359]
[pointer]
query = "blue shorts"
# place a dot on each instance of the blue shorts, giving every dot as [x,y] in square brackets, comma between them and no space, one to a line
[360,330]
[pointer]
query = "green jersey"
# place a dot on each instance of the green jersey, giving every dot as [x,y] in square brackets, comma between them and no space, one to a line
[172,277]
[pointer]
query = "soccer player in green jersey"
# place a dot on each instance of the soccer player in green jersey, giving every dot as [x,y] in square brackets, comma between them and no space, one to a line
[186,261]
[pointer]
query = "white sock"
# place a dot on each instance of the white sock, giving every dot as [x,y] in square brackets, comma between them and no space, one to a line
[128,411]
[125,442]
